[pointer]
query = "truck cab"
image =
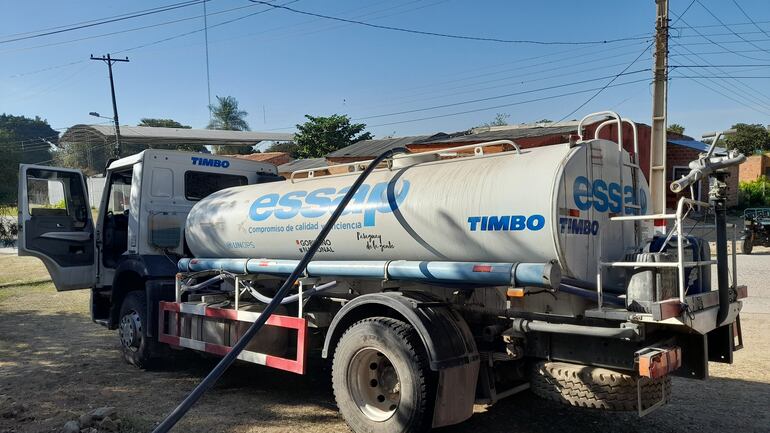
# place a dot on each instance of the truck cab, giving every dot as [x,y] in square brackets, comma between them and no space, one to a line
[134,240]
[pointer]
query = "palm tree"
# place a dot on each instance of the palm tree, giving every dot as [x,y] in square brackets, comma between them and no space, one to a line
[226,115]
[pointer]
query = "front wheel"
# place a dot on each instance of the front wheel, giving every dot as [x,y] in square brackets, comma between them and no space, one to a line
[132,330]
[381,380]
[747,246]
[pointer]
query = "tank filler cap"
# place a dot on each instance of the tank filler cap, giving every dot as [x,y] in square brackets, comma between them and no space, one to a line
[406,160]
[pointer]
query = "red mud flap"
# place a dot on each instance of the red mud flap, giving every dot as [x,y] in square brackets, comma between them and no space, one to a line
[172,312]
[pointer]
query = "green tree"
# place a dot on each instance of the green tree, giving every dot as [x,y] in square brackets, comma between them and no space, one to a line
[9,168]
[749,139]
[22,140]
[501,119]
[34,137]
[225,114]
[289,147]
[170,123]
[675,128]
[322,135]
[162,123]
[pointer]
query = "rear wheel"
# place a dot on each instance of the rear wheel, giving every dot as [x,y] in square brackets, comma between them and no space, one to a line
[381,379]
[132,330]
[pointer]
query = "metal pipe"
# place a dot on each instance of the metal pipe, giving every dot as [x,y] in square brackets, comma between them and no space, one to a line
[590,294]
[722,272]
[490,274]
[524,325]
[293,298]
[204,284]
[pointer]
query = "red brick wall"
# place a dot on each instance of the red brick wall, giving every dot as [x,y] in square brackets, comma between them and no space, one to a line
[754,167]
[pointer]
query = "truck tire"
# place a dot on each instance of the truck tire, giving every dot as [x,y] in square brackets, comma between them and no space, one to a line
[747,246]
[135,345]
[594,387]
[381,378]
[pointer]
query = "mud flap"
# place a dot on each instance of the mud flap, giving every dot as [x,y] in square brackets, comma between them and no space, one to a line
[454,404]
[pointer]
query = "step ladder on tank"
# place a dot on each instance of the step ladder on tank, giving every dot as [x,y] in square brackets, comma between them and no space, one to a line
[633,162]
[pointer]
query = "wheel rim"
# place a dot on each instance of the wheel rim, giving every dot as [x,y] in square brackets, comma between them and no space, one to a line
[130,331]
[374,384]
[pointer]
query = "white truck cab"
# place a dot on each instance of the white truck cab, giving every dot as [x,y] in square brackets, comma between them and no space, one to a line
[139,231]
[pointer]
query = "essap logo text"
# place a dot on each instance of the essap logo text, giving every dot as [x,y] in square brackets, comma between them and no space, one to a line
[604,196]
[210,162]
[368,200]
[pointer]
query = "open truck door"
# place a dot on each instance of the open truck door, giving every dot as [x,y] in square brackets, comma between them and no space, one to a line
[55,224]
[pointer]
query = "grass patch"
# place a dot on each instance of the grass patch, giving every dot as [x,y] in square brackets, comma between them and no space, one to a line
[26,289]
[21,270]
[9,211]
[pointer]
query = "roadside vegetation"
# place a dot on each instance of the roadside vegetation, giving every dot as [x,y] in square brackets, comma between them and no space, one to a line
[755,193]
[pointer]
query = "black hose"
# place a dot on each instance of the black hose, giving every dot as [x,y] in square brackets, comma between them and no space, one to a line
[228,359]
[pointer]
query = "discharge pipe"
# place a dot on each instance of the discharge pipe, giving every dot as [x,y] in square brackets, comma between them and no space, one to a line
[231,356]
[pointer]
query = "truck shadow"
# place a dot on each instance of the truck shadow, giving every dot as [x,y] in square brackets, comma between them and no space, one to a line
[62,365]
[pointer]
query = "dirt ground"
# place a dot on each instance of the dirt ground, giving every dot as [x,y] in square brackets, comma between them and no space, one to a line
[59,365]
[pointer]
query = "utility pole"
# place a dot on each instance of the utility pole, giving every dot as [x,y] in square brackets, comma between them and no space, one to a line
[659,113]
[109,61]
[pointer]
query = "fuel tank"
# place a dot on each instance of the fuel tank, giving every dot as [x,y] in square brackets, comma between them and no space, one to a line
[546,203]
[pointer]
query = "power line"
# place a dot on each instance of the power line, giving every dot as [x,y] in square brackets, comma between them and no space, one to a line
[159,41]
[445,35]
[750,19]
[583,59]
[545,98]
[706,26]
[133,29]
[105,21]
[601,89]
[624,69]
[508,95]
[719,66]
[730,29]
[696,80]
[750,94]
[679,18]
[728,76]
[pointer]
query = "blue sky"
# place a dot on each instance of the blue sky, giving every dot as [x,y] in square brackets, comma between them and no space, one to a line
[281,65]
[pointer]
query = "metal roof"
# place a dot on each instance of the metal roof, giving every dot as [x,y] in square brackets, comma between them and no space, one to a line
[375,147]
[508,134]
[302,164]
[156,135]
[697,145]
[372,148]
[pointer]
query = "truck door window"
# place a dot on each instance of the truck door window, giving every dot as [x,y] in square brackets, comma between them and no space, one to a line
[115,235]
[199,184]
[52,193]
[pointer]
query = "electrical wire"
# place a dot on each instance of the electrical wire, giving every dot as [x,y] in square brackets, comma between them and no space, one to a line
[507,95]
[750,19]
[750,92]
[105,21]
[503,105]
[149,44]
[445,35]
[623,71]
[729,28]
[720,45]
[133,29]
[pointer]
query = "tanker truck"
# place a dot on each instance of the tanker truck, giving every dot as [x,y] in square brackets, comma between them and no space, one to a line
[430,282]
